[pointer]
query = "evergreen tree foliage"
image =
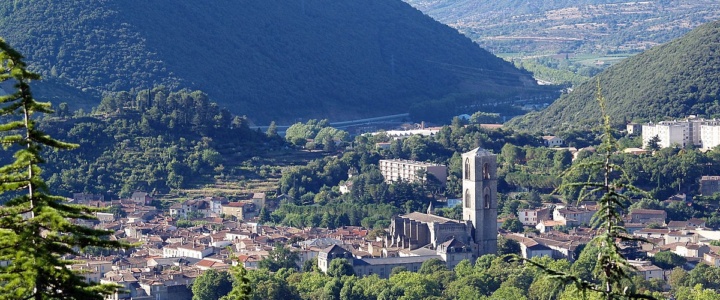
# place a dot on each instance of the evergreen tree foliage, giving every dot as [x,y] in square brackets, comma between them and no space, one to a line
[241,283]
[653,144]
[37,231]
[508,246]
[611,276]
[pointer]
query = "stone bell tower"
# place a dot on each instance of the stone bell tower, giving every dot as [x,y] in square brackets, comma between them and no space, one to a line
[480,199]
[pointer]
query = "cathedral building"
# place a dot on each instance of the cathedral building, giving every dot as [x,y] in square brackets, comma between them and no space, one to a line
[424,236]
[477,230]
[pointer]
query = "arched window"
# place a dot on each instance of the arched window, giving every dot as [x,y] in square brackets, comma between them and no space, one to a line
[467,198]
[486,171]
[467,168]
[486,198]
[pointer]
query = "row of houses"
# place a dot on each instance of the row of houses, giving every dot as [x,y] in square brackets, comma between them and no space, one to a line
[545,218]
[167,259]
[218,206]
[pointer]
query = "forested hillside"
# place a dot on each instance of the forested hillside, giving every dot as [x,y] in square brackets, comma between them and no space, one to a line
[314,59]
[670,81]
[571,26]
[153,140]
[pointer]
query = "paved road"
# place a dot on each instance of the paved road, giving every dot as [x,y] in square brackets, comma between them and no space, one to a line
[344,124]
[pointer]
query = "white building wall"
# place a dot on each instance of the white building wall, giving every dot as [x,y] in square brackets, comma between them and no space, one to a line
[710,135]
[528,217]
[669,133]
[397,170]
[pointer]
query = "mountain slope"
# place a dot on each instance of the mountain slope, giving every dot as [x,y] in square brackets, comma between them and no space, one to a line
[670,81]
[277,60]
[571,26]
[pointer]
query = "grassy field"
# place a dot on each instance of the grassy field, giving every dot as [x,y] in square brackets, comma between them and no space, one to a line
[598,60]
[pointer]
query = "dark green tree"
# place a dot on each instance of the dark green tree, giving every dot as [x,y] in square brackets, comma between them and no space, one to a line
[279,257]
[211,285]
[264,215]
[432,266]
[241,284]
[36,228]
[653,144]
[508,246]
[512,225]
[310,265]
[340,267]
[668,260]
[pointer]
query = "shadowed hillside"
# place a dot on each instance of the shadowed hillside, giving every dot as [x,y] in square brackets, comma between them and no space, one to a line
[277,60]
[670,81]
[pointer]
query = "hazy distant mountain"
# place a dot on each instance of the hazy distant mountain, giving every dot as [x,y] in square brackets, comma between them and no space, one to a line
[571,25]
[670,81]
[278,60]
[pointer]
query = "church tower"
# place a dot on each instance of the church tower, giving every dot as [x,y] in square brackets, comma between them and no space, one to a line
[480,199]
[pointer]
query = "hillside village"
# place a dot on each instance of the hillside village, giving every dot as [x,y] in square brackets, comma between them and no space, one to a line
[355,150]
[169,256]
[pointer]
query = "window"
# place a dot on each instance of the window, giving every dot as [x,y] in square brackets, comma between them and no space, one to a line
[486,171]
[467,198]
[486,202]
[467,168]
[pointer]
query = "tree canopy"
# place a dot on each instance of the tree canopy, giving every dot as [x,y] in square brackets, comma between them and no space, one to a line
[37,232]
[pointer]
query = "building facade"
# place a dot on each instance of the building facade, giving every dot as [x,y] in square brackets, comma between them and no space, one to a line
[480,199]
[531,217]
[428,236]
[409,170]
[709,185]
[669,133]
[692,131]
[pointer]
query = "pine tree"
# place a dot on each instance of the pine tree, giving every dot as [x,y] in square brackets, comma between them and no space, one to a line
[37,232]
[653,144]
[241,283]
[272,130]
[612,275]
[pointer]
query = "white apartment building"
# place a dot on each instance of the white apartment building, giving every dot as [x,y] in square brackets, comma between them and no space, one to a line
[692,131]
[407,170]
[710,134]
[669,132]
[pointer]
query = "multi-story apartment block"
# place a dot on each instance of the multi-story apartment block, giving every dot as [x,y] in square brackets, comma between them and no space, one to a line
[710,134]
[669,133]
[408,170]
[692,131]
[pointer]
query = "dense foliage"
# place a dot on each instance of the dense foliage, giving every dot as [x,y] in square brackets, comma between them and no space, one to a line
[489,277]
[340,58]
[38,234]
[561,72]
[314,198]
[153,140]
[669,81]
